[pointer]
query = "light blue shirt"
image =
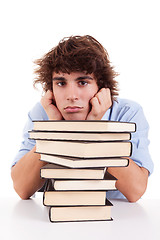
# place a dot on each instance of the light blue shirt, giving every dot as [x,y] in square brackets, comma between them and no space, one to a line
[122,110]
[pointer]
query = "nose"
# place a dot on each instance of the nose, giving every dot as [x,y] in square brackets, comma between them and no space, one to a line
[72,92]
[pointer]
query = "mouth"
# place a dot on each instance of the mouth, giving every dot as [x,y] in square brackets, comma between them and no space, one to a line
[72,109]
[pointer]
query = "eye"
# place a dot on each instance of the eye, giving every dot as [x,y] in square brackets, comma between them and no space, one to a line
[82,83]
[60,84]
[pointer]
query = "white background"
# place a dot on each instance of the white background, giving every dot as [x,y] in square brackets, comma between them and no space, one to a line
[129,30]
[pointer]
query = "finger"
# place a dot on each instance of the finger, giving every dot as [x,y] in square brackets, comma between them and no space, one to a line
[100,97]
[47,98]
[95,106]
[49,94]
[104,98]
[109,98]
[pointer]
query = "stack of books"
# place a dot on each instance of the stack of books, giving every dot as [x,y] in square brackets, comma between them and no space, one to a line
[77,155]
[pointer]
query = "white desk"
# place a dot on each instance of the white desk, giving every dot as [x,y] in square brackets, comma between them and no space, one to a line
[28,219]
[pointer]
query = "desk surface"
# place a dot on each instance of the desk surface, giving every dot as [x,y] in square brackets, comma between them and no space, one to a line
[28,219]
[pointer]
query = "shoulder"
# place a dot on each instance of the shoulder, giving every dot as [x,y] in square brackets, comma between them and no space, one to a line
[127,104]
[128,111]
[125,109]
[37,112]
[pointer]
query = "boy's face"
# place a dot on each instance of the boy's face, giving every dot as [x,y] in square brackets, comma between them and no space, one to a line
[72,93]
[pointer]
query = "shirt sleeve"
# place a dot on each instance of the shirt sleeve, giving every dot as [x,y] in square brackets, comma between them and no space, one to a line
[140,141]
[129,111]
[37,113]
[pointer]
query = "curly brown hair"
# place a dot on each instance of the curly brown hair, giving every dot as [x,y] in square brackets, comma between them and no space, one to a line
[77,54]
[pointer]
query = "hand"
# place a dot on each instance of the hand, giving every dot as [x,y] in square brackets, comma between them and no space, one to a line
[100,103]
[52,111]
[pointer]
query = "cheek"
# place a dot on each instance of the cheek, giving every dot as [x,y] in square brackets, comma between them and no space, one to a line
[87,101]
[58,102]
[91,94]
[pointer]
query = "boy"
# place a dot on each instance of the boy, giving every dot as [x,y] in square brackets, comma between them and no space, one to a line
[79,84]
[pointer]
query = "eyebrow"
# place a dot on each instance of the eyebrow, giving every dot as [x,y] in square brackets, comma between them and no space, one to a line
[58,78]
[84,77]
[79,78]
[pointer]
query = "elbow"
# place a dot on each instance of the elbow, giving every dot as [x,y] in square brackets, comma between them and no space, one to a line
[138,192]
[24,195]
[138,188]
[21,193]
[133,199]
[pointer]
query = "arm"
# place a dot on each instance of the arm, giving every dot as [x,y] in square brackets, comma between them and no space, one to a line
[26,172]
[132,180]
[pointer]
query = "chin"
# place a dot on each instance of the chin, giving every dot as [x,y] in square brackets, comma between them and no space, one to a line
[74,117]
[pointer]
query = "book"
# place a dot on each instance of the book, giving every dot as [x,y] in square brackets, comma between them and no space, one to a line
[84,126]
[84,163]
[85,213]
[84,149]
[77,136]
[108,183]
[78,153]
[56,171]
[72,198]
